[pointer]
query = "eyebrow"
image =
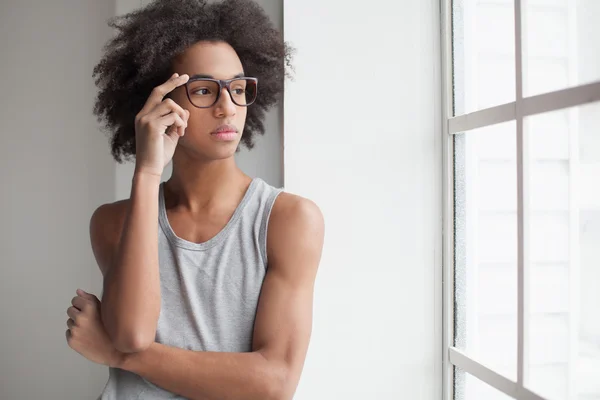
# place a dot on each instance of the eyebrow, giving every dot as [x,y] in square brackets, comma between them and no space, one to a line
[204,76]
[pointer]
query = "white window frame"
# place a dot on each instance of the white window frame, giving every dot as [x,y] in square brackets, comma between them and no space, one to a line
[519,109]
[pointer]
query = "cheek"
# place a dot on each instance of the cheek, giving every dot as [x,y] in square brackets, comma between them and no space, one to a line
[242,114]
[199,119]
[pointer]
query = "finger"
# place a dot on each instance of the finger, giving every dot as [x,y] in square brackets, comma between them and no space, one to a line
[79,302]
[185,119]
[159,92]
[73,313]
[165,108]
[70,323]
[181,128]
[87,295]
[175,125]
[168,106]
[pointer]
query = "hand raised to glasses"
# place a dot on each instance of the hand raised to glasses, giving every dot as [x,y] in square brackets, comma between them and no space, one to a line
[158,127]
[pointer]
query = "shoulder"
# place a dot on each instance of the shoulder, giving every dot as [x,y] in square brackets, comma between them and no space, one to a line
[106,225]
[293,208]
[296,229]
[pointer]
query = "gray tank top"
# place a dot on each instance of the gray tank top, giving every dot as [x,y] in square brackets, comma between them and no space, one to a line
[209,290]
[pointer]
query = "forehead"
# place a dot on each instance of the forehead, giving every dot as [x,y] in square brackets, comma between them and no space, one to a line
[218,59]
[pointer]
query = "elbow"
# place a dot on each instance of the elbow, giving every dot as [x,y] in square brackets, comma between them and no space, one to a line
[128,337]
[127,342]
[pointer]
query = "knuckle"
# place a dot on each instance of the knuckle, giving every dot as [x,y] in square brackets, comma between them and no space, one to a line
[176,107]
[159,91]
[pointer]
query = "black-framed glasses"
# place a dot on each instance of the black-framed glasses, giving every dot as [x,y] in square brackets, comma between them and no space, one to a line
[205,92]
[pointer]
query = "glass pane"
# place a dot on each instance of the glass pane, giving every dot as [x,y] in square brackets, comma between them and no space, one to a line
[483,54]
[202,93]
[564,322]
[561,44]
[486,246]
[467,387]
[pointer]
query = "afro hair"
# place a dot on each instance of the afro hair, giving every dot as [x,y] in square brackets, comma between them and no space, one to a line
[139,57]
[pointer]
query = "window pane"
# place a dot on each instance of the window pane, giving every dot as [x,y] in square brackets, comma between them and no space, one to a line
[486,246]
[467,387]
[561,44]
[564,322]
[483,54]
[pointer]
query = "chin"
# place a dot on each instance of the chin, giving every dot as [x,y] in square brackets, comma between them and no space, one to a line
[219,151]
[209,149]
[222,154]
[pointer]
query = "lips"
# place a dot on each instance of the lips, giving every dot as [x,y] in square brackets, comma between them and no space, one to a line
[224,129]
[225,133]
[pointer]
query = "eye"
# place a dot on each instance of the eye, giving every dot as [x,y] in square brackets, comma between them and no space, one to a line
[202,91]
[239,91]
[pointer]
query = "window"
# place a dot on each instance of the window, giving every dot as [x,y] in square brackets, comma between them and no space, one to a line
[522,190]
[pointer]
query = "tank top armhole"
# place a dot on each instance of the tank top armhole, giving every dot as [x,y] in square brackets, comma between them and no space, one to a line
[265,225]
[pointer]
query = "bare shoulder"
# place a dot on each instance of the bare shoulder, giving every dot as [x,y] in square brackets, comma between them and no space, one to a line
[106,225]
[296,230]
[289,207]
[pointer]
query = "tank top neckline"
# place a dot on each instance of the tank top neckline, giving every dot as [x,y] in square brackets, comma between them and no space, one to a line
[215,240]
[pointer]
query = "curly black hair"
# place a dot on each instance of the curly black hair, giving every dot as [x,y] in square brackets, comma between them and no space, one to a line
[139,57]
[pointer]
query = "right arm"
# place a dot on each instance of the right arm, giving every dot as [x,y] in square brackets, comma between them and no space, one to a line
[131,290]
[125,237]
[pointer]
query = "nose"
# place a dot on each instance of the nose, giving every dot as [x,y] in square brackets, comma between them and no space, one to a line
[225,106]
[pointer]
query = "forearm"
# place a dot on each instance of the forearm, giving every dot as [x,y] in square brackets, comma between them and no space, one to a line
[208,375]
[131,295]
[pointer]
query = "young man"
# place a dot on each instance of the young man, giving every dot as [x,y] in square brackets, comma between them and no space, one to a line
[208,277]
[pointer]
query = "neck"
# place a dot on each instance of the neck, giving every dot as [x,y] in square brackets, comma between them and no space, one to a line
[200,186]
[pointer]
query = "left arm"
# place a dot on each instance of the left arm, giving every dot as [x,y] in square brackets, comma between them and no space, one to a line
[282,327]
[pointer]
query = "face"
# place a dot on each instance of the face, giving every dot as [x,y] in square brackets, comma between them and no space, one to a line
[212,133]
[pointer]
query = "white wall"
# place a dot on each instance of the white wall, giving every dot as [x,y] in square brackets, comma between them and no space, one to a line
[264,160]
[362,140]
[54,170]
